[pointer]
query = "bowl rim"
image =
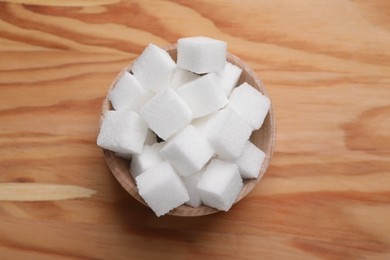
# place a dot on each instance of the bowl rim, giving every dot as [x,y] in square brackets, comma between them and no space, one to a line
[125,178]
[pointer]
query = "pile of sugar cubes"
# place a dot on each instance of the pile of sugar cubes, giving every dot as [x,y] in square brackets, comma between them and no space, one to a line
[203,121]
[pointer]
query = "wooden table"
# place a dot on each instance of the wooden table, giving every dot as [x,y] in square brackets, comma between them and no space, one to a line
[326,65]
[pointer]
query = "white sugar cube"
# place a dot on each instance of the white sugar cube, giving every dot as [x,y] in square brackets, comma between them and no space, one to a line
[220,185]
[203,95]
[122,131]
[150,139]
[153,68]
[128,93]
[228,133]
[201,124]
[166,113]
[191,182]
[201,54]
[250,161]
[161,188]
[180,77]
[149,157]
[250,104]
[229,77]
[187,151]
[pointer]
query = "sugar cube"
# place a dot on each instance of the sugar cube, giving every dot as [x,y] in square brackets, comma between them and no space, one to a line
[180,77]
[220,184]
[149,157]
[122,131]
[250,104]
[161,188]
[191,182]
[201,124]
[188,151]
[229,77]
[166,113]
[250,161]
[203,95]
[150,139]
[201,54]
[153,68]
[227,133]
[128,93]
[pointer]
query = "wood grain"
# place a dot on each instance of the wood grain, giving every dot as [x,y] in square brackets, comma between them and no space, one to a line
[326,65]
[41,192]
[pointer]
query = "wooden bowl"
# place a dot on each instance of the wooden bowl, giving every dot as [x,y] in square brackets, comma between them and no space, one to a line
[264,138]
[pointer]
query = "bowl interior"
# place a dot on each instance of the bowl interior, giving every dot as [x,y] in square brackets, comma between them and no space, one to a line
[264,138]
